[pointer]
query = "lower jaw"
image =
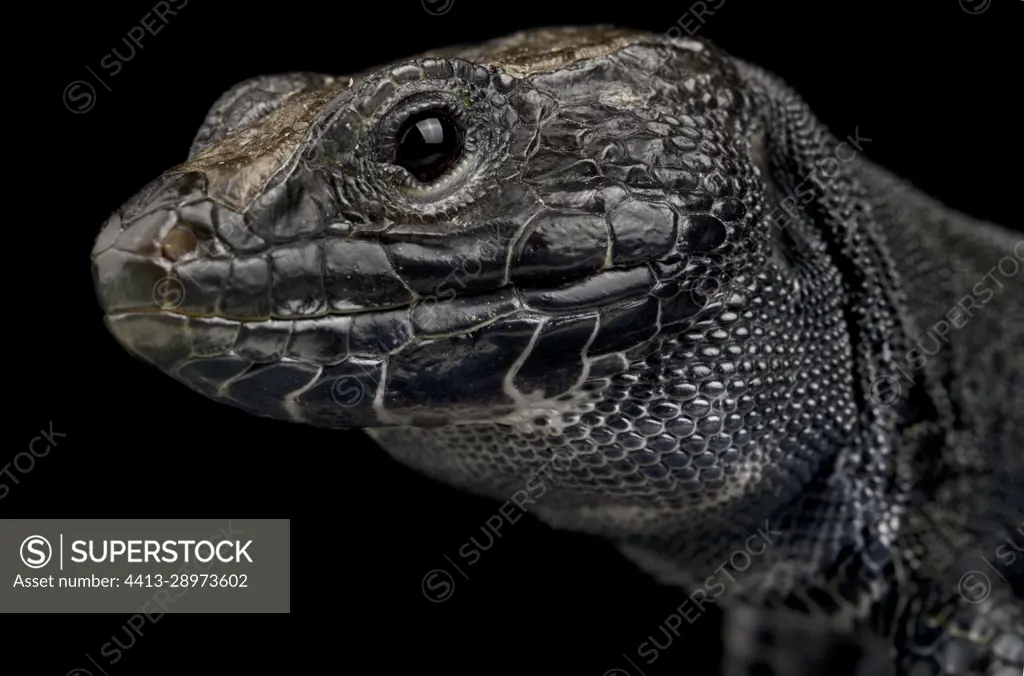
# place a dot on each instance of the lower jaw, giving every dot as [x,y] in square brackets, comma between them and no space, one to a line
[505,367]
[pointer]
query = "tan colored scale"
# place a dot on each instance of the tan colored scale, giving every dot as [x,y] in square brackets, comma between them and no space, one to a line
[241,165]
[528,52]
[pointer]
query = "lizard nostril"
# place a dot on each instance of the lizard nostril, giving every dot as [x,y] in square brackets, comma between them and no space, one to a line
[178,242]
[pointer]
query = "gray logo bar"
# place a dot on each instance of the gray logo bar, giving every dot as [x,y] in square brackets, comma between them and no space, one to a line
[150,566]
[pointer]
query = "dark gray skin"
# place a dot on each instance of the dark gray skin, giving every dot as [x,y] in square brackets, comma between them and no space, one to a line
[648,296]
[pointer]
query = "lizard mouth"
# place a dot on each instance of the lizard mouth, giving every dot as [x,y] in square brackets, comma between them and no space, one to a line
[483,354]
[331,338]
[445,312]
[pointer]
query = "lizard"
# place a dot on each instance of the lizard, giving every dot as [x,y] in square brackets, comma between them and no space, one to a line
[643,267]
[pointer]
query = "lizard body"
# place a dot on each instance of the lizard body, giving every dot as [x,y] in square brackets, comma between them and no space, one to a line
[643,268]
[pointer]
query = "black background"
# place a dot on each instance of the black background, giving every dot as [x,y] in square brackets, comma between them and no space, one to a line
[931,87]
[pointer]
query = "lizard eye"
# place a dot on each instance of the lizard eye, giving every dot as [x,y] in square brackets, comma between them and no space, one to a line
[428,144]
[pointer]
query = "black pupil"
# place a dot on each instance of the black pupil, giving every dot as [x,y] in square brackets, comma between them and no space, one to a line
[428,144]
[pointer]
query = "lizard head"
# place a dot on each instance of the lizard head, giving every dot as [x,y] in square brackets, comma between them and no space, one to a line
[560,233]
[454,237]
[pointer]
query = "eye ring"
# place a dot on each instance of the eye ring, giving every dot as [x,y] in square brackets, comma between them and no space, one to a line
[425,138]
[480,142]
[428,144]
